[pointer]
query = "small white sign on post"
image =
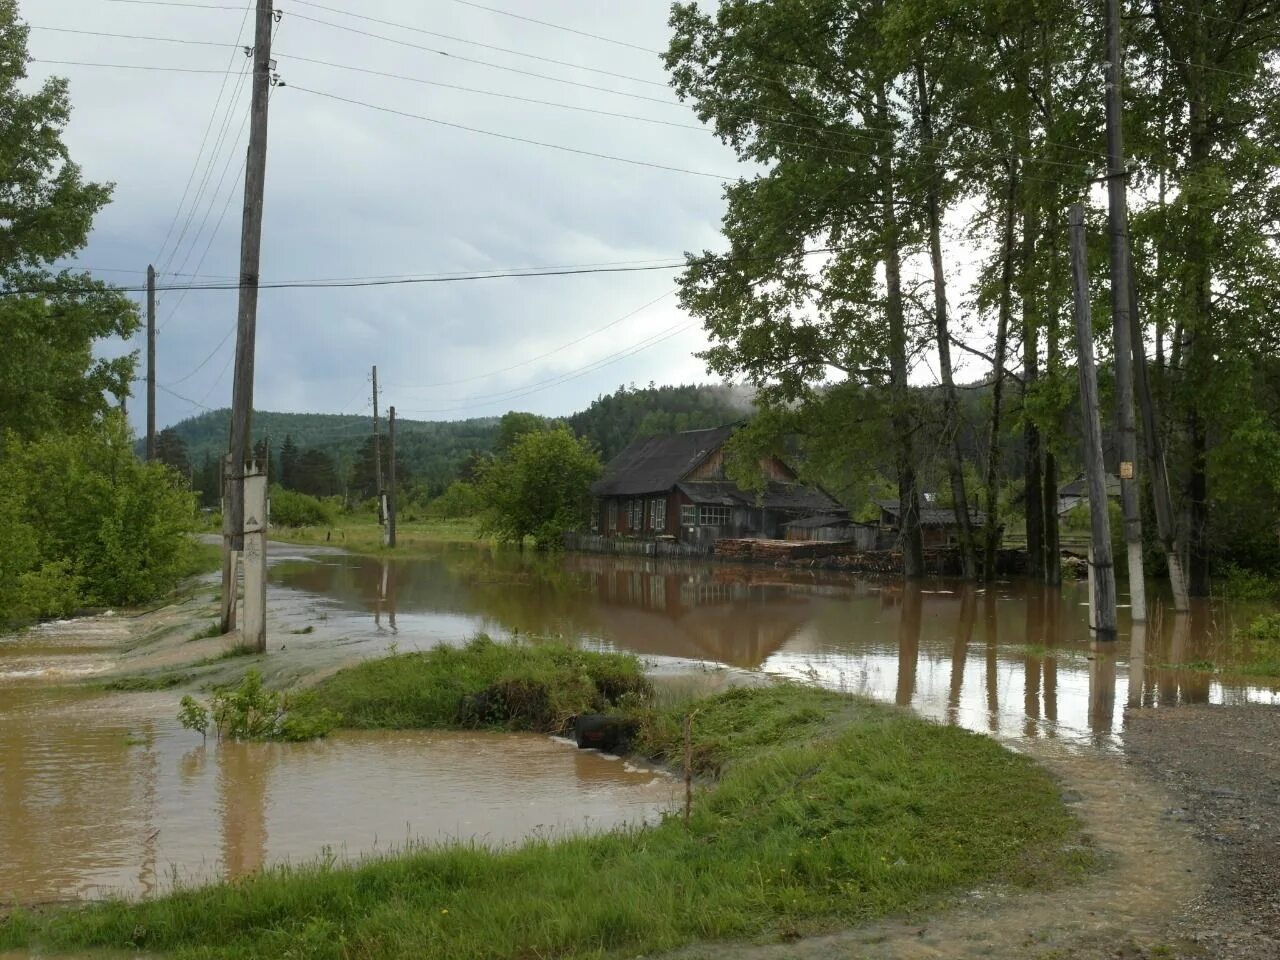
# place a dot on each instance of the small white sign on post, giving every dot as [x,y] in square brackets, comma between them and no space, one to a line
[255,558]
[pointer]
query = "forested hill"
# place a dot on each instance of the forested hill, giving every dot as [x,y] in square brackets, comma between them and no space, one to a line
[435,453]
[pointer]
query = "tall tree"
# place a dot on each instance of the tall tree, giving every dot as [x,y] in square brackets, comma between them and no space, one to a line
[288,463]
[171,450]
[812,93]
[49,321]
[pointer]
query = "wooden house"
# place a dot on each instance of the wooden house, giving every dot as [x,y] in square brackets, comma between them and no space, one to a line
[674,486]
[832,528]
[1075,493]
[938,526]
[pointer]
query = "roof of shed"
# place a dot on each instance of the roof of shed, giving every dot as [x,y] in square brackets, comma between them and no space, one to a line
[656,464]
[934,516]
[824,520]
[1080,487]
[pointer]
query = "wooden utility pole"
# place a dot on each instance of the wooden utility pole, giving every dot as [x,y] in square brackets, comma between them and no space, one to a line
[377,451]
[391,478]
[255,175]
[1102,573]
[1121,326]
[151,362]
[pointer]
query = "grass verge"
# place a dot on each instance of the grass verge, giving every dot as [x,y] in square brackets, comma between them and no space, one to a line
[826,810]
[363,535]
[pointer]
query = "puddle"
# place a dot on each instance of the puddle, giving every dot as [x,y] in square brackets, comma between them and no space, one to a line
[108,796]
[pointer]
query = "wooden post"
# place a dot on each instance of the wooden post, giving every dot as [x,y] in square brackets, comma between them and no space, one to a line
[255,558]
[391,478]
[151,362]
[250,258]
[377,454]
[230,556]
[1100,563]
[1121,327]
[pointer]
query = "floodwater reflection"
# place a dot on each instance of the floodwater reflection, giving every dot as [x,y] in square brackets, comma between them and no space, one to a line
[1014,659]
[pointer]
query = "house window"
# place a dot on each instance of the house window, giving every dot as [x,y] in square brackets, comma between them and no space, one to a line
[713,516]
[613,514]
[637,514]
[688,515]
[658,514]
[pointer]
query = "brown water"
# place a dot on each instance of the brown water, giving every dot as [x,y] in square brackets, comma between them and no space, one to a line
[105,794]
[1013,659]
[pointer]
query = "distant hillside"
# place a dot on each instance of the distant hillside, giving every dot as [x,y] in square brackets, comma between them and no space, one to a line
[435,452]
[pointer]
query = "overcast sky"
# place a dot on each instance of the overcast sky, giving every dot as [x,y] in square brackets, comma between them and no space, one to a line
[353,192]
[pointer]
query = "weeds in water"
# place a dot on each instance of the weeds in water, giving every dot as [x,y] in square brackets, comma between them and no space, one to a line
[212,630]
[309,628]
[148,683]
[250,711]
[1251,651]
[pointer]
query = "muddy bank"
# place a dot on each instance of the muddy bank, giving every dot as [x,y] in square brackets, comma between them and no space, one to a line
[1222,767]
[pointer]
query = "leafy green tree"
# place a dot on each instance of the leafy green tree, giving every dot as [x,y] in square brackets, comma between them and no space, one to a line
[540,489]
[49,321]
[460,500]
[364,480]
[87,524]
[515,425]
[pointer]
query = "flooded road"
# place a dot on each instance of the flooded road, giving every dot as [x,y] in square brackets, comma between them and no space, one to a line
[104,793]
[1014,660]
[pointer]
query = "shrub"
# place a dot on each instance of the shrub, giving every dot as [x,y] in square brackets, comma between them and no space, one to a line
[250,711]
[292,509]
[84,523]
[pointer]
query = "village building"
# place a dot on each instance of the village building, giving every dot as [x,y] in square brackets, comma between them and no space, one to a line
[938,525]
[1075,493]
[674,487]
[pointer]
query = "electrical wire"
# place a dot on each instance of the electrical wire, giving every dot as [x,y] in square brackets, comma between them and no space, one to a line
[512,137]
[473,43]
[556,26]
[203,141]
[125,66]
[131,36]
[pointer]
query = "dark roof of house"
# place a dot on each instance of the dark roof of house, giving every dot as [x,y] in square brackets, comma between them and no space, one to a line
[656,464]
[1079,487]
[823,520]
[934,516]
[775,496]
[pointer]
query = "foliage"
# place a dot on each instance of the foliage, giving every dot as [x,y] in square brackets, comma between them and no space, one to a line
[83,523]
[515,686]
[540,489]
[460,500]
[515,425]
[614,420]
[1238,583]
[249,711]
[829,812]
[49,376]
[292,509]
[363,483]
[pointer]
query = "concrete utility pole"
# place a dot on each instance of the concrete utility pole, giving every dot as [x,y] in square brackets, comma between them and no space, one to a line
[391,478]
[151,362]
[1121,324]
[1102,573]
[250,257]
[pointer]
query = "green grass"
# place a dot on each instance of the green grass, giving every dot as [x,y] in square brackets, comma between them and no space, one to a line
[532,686]
[362,534]
[144,683]
[1251,651]
[826,810]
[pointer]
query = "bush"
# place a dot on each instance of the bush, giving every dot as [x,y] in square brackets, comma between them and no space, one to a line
[292,509]
[84,523]
[460,500]
[250,711]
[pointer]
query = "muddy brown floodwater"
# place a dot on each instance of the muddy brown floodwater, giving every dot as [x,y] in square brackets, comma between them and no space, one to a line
[105,793]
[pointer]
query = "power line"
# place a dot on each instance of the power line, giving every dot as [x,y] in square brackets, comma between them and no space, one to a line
[513,138]
[203,140]
[556,26]
[541,356]
[486,63]
[132,36]
[124,66]
[176,3]
[473,43]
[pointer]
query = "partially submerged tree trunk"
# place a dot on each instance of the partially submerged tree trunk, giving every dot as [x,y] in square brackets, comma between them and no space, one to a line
[992,532]
[950,401]
[903,422]
[1030,374]
[1053,366]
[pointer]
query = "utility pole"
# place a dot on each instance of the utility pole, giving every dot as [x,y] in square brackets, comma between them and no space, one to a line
[250,257]
[377,451]
[1102,573]
[151,362]
[1121,326]
[391,478]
